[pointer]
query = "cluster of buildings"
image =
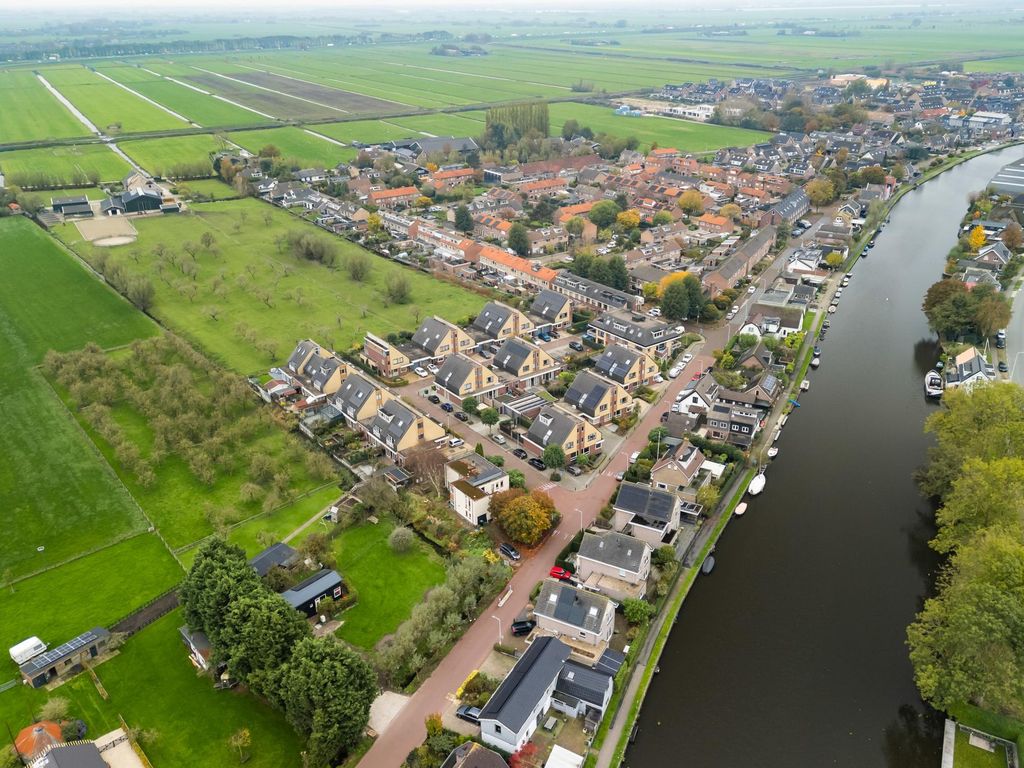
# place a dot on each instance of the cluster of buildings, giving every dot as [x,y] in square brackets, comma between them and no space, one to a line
[139,195]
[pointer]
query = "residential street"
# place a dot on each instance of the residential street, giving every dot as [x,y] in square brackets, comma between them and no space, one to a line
[1015,339]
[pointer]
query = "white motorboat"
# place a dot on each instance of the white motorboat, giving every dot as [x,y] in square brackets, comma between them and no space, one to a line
[815,362]
[772,452]
[933,384]
[805,385]
[740,509]
[757,484]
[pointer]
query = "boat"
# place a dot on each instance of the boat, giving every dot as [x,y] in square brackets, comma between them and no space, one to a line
[708,565]
[740,509]
[815,362]
[778,433]
[757,484]
[773,452]
[933,384]
[805,385]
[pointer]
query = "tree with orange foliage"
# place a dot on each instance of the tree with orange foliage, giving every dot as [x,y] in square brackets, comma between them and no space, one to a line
[976,239]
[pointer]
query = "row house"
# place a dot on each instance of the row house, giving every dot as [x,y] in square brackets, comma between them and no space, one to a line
[440,338]
[497,322]
[445,181]
[732,424]
[399,428]
[556,426]
[317,370]
[551,310]
[461,377]
[597,399]
[547,239]
[394,198]
[535,190]
[643,334]
[527,363]
[515,269]
[491,227]
[629,368]
[585,292]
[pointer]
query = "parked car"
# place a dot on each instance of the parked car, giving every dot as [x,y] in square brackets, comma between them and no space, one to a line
[804,223]
[676,408]
[499,439]
[664,417]
[462,417]
[525,627]
[574,470]
[1001,333]
[558,572]
[509,551]
[686,358]
[1000,343]
[447,407]
[456,442]
[544,336]
[619,476]
[421,372]
[575,345]
[432,368]
[434,399]
[469,714]
[674,372]
[519,453]
[1003,368]
[658,379]
[634,456]
[680,329]
[536,463]
[654,312]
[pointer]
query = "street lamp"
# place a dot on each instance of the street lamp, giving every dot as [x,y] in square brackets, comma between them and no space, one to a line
[501,637]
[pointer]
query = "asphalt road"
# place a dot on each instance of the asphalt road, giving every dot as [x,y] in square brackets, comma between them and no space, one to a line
[1015,339]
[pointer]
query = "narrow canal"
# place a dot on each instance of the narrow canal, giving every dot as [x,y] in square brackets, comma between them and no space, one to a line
[791,654]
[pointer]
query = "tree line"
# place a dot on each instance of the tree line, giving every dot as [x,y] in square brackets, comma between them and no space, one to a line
[508,124]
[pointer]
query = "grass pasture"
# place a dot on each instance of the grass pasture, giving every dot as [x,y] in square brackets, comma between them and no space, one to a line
[61,166]
[58,493]
[207,189]
[442,124]
[389,584]
[684,135]
[30,112]
[306,299]
[296,145]
[365,131]
[162,157]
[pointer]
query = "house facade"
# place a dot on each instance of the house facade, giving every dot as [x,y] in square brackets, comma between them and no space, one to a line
[471,481]
[556,426]
[597,399]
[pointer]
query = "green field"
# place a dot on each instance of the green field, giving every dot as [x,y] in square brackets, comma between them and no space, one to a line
[389,584]
[31,112]
[1008,64]
[214,189]
[162,157]
[89,592]
[305,298]
[110,108]
[295,145]
[61,166]
[683,135]
[460,124]
[366,131]
[93,193]
[55,486]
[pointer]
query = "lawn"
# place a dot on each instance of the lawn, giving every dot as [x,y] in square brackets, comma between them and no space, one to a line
[304,298]
[366,131]
[54,485]
[176,155]
[967,756]
[295,144]
[445,124]
[31,112]
[683,135]
[95,590]
[207,189]
[388,584]
[62,166]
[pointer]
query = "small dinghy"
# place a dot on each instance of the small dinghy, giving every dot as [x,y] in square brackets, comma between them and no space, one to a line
[741,509]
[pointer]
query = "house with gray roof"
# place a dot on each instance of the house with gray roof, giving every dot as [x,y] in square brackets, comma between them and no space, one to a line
[497,321]
[398,428]
[586,292]
[969,369]
[646,513]
[628,367]
[471,481]
[358,399]
[582,691]
[638,332]
[473,755]
[511,715]
[438,338]
[317,370]
[556,426]
[789,209]
[526,362]
[551,310]
[597,399]
[461,377]
[576,614]
[307,594]
[614,564]
[277,555]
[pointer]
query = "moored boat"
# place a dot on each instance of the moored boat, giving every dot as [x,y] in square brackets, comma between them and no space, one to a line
[933,384]
[773,452]
[815,362]
[709,564]
[757,484]
[805,385]
[741,508]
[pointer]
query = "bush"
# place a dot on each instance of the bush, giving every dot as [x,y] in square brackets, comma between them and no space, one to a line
[401,540]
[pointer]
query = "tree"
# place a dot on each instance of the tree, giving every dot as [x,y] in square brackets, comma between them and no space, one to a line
[269,150]
[637,612]
[401,539]
[470,404]
[500,501]
[397,288]
[628,220]
[490,417]
[516,480]
[1013,236]
[661,218]
[987,494]
[820,192]
[519,239]
[664,556]
[991,312]
[358,266]
[574,226]
[965,644]
[553,456]
[604,213]
[938,293]
[834,259]
[374,224]
[708,496]
[731,211]
[976,239]
[325,691]
[463,219]
[219,576]
[692,202]
[240,740]
[260,629]
[675,302]
[525,520]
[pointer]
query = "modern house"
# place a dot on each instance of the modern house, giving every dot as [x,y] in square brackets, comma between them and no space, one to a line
[969,369]
[389,359]
[473,755]
[318,371]
[358,399]
[555,426]
[732,424]
[582,691]
[551,310]
[614,564]
[307,594]
[497,321]
[589,293]
[597,399]
[680,471]
[471,481]
[438,338]
[512,714]
[398,428]
[646,513]
[66,660]
[636,332]
[461,377]
[627,367]
[576,614]
[527,362]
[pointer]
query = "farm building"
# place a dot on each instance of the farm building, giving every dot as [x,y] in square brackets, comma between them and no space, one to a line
[72,206]
[306,595]
[65,660]
[277,555]
[138,201]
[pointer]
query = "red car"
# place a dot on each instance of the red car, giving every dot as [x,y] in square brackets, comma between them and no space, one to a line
[560,573]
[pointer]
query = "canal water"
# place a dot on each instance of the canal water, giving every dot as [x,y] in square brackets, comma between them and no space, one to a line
[792,653]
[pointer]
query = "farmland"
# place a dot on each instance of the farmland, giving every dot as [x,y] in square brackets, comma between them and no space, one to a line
[63,165]
[47,301]
[665,132]
[302,298]
[32,112]
[296,145]
[163,157]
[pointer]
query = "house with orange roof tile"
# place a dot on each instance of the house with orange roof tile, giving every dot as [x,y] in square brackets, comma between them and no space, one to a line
[535,190]
[445,181]
[515,268]
[392,198]
[716,225]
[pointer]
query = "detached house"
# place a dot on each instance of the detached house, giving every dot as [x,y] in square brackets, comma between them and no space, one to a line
[646,513]
[680,472]
[576,614]
[551,310]
[732,424]
[969,369]
[614,564]
[471,481]
[555,426]
[597,399]
[627,367]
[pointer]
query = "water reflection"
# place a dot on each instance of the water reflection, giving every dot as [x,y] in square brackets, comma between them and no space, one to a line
[909,741]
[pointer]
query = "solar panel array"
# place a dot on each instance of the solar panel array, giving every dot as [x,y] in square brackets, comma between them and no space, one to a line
[55,655]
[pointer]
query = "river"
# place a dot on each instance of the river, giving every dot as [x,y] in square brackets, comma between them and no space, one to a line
[792,653]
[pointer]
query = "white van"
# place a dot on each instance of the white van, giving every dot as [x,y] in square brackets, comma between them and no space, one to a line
[26,650]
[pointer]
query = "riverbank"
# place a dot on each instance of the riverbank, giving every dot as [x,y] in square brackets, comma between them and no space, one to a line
[639,688]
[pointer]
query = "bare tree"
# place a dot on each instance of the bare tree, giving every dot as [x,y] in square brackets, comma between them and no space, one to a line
[426,463]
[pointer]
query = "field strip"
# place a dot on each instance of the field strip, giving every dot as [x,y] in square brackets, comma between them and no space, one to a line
[423,133]
[156,104]
[325,138]
[151,71]
[310,82]
[118,151]
[353,87]
[271,90]
[474,74]
[197,89]
[71,107]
